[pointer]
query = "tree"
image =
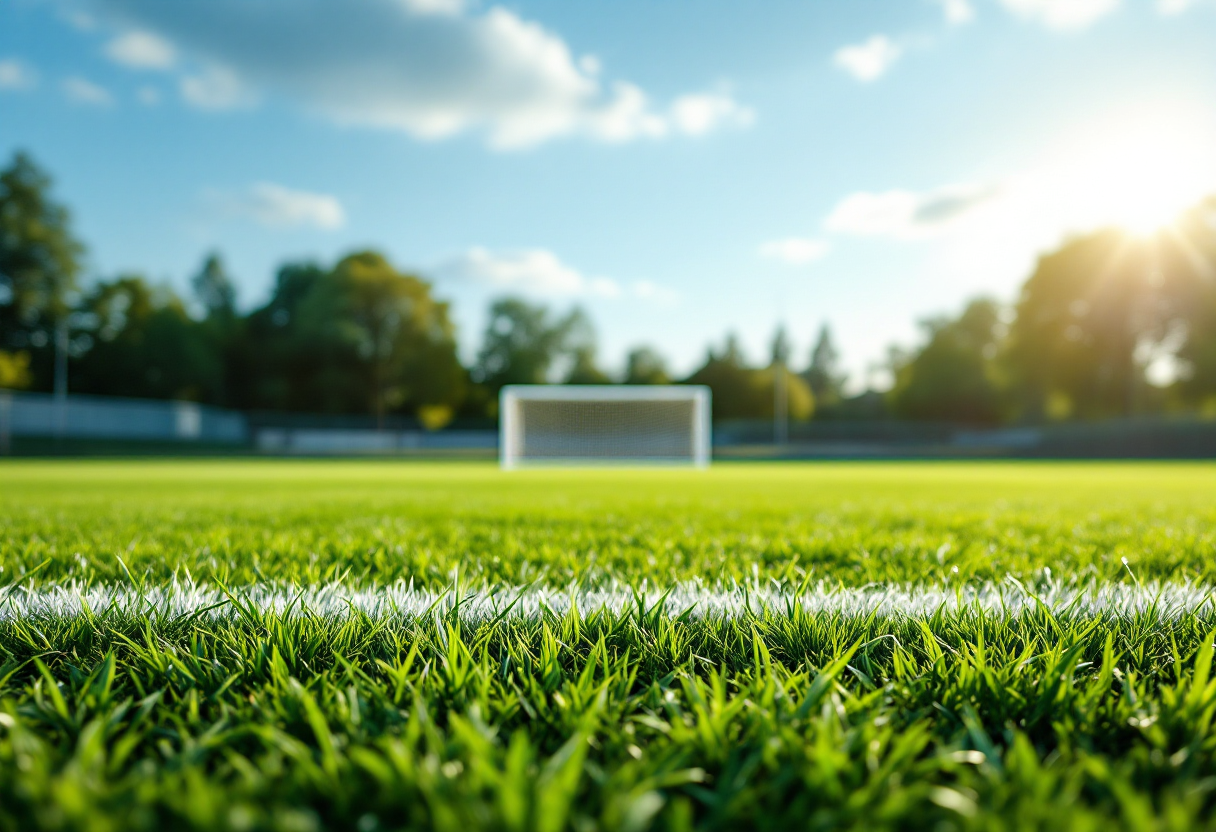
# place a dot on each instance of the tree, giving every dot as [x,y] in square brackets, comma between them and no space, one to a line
[823,375]
[645,366]
[1196,353]
[222,326]
[379,341]
[800,401]
[40,261]
[740,392]
[580,349]
[952,377]
[1084,318]
[214,289]
[278,357]
[520,345]
[145,344]
[732,352]
[731,383]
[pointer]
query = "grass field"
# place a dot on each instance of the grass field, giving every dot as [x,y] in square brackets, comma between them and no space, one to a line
[296,645]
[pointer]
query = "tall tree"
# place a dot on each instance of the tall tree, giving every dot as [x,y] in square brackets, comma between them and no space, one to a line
[741,392]
[382,337]
[40,261]
[279,357]
[645,366]
[952,377]
[222,326]
[214,290]
[1085,317]
[1195,238]
[520,345]
[824,375]
[579,346]
[144,344]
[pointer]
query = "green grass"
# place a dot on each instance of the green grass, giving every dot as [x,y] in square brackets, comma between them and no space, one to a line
[302,645]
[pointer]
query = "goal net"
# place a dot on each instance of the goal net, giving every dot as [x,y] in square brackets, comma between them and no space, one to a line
[603,424]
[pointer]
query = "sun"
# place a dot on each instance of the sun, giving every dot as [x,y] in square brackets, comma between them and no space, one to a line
[1138,172]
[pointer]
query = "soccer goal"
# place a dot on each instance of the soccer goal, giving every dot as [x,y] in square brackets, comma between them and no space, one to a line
[555,424]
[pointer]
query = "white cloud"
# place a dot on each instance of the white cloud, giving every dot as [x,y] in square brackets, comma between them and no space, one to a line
[697,115]
[905,214]
[84,91]
[16,74]
[149,96]
[1062,15]
[957,12]
[795,251]
[868,61]
[142,50]
[1172,7]
[216,88]
[275,206]
[541,273]
[534,271]
[430,68]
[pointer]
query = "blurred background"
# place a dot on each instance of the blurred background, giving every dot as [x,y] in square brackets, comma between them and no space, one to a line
[915,228]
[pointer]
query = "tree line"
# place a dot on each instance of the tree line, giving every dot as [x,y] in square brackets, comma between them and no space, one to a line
[1106,325]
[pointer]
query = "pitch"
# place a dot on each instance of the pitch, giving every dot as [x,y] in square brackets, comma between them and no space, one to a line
[298,645]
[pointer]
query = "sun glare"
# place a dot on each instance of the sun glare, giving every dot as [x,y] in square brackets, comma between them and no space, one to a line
[1139,173]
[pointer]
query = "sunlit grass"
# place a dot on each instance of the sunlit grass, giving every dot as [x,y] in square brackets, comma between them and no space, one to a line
[331,645]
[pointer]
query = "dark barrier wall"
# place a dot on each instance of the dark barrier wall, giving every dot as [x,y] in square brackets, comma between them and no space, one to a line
[106,417]
[1114,439]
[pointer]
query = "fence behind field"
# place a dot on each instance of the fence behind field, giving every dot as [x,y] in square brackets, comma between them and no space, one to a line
[38,423]
[104,417]
[331,441]
[43,423]
[1155,437]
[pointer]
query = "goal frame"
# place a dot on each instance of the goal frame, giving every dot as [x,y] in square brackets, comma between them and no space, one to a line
[509,450]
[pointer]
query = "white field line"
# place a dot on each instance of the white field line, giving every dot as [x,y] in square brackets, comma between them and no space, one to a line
[402,600]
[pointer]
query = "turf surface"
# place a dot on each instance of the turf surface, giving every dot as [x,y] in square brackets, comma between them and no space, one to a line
[312,645]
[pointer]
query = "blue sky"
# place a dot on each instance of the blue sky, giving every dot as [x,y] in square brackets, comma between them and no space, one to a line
[680,169]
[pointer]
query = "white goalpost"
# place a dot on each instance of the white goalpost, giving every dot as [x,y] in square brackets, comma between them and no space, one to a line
[553,424]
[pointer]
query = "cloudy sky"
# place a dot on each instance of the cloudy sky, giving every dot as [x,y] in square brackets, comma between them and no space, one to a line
[681,169]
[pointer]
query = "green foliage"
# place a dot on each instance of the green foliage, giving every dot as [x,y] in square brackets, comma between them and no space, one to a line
[580,346]
[358,338]
[954,376]
[522,345]
[1088,324]
[15,369]
[214,289]
[145,344]
[1096,309]
[136,716]
[823,373]
[39,262]
[280,357]
[644,365]
[387,331]
[742,392]
[1198,349]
